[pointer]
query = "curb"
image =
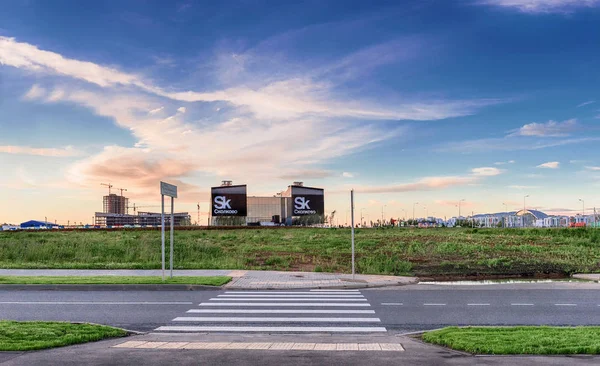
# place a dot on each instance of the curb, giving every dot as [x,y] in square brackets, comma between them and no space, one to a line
[166,287]
[322,287]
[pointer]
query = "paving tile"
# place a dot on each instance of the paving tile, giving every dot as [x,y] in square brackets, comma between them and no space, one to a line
[130,344]
[281,346]
[369,347]
[199,345]
[151,345]
[347,346]
[237,345]
[325,347]
[259,345]
[303,346]
[173,345]
[391,347]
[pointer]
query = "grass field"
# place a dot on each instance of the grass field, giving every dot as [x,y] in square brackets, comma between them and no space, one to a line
[519,340]
[27,336]
[112,280]
[435,253]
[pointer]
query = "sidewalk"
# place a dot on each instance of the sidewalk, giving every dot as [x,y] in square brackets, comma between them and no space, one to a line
[588,276]
[242,280]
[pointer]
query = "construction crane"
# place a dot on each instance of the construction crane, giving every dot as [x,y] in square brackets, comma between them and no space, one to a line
[122,189]
[136,207]
[107,185]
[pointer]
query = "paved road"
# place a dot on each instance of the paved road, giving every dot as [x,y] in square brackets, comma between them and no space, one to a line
[400,310]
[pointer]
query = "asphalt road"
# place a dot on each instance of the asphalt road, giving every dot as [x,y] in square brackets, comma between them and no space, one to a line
[401,310]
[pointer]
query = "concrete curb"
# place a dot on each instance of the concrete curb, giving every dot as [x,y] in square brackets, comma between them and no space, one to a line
[166,287]
[324,287]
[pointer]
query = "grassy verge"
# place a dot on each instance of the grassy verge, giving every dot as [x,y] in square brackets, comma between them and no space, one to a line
[112,280]
[422,252]
[26,336]
[519,340]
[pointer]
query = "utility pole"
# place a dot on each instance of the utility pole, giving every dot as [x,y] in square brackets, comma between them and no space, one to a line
[198,214]
[504,217]
[582,209]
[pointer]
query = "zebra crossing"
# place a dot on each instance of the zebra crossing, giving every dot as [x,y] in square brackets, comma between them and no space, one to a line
[315,311]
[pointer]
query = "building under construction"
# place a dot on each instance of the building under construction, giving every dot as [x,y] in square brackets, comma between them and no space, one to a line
[115,213]
[115,204]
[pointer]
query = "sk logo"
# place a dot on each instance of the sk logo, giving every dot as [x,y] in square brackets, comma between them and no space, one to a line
[222,203]
[301,203]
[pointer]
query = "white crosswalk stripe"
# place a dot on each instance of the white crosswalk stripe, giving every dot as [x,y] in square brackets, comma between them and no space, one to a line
[331,311]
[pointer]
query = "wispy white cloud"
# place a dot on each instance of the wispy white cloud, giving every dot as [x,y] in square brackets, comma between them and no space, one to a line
[288,97]
[434,183]
[347,175]
[486,171]
[593,168]
[504,162]
[548,129]
[35,92]
[454,203]
[522,187]
[510,143]
[289,122]
[550,165]
[543,6]
[157,110]
[67,151]
[586,103]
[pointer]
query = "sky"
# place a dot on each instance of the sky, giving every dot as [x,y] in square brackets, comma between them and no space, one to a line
[413,104]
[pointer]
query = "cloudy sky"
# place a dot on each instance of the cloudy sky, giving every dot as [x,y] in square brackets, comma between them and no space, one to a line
[430,101]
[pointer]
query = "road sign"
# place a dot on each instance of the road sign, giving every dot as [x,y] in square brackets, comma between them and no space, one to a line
[167,189]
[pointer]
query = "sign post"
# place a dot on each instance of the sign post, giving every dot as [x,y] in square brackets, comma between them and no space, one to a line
[169,190]
[352,215]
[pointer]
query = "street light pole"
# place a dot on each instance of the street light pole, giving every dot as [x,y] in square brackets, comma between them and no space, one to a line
[459,207]
[361,217]
[416,203]
[582,208]
[504,217]
[524,209]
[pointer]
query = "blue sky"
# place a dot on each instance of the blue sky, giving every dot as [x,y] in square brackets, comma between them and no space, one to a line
[417,101]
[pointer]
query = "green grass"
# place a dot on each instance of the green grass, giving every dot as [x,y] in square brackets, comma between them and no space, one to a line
[27,336]
[112,280]
[519,340]
[397,251]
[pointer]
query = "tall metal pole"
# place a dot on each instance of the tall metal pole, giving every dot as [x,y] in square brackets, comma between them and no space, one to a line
[352,219]
[172,225]
[524,209]
[162,233]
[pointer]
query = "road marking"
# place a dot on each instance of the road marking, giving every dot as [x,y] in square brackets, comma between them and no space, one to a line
[434,304]
[279,299]
[312,296]
[565,304]
[280,311]
[478,304]
[293,292]
[272,329]
[392,303]
[298,304]
[274,320]
[94,303]
[334,291]
[337,347]
[521,304]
